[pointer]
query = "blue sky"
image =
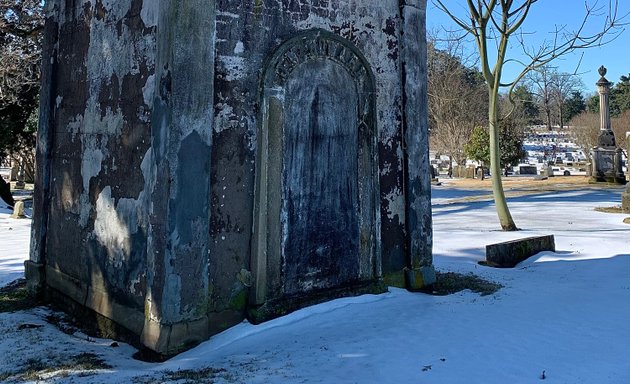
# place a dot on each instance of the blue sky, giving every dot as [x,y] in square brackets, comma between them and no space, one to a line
[544,16]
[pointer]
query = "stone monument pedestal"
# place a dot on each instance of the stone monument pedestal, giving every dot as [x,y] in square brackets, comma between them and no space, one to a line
[606,157]
[606,166]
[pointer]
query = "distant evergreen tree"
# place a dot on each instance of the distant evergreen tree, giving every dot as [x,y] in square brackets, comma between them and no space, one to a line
[478,147]
[21,26]
[574,105]
[526,103]
[592,105]
[619,98]
[510,142]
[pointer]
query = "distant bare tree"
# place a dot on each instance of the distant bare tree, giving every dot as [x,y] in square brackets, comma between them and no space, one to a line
[621,126]
[552,89]
[540,81]
[458,101]
[585,129]
[564,84]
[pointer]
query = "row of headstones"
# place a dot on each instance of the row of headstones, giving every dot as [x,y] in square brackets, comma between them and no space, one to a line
[464,172]
[459,172]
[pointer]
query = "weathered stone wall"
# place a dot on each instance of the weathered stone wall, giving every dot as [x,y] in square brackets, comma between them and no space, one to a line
[149,157]
[95,133]
[176,305]
[247,35]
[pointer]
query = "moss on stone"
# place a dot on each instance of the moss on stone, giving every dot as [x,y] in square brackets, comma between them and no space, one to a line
[395,279]
[238,302]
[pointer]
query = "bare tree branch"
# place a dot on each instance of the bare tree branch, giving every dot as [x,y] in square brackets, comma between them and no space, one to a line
[498,22]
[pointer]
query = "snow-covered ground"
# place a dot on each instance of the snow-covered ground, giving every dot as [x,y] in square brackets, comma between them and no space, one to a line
[566,314]
[14,245]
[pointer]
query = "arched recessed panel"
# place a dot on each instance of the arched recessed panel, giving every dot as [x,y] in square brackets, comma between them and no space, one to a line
[320,246]
[316,215]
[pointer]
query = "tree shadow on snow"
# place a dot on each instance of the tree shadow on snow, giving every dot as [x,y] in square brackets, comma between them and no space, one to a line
[601,196]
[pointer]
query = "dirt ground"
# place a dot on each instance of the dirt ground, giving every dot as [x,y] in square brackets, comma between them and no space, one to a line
[520,185]
[517,182]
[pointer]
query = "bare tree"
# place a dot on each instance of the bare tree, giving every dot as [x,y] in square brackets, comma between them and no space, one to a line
[457,98]
[585,129]
[564,84]
[552,88]
[621,126]
[494,23]
[540,81]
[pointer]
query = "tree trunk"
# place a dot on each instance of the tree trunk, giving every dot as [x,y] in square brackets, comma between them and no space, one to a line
[548,113]
[5,193]
[505,218]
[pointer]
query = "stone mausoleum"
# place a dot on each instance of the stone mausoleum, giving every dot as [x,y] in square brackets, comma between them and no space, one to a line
[201,161]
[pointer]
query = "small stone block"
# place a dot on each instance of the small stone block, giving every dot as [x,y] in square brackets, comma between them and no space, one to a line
[155,336]
[18,210]
[419,278]
[626,220]
[510,253]
[35,275]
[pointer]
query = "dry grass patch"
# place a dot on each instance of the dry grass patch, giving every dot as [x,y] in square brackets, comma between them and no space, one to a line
[15,297]
[190,376]
[615,209]
[451,282]
[42,370]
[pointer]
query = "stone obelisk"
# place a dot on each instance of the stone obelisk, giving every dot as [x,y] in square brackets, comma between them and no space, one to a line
[606,157]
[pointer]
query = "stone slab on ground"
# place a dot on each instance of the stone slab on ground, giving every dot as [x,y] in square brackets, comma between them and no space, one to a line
[508,254]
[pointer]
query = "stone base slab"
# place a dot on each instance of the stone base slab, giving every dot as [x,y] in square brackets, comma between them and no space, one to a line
[420,278]
[280,307]
[508,254]
[35,274]
[99,313]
